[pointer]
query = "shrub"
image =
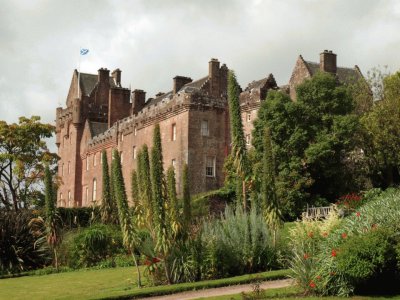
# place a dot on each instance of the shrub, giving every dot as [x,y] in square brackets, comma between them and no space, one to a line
[89,246]
[76,217]
[22,242]
[237,243]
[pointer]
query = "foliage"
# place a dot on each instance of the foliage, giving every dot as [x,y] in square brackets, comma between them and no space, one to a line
[238,152]
[22,242]
[237,243]
[131,239]
[74,217]
[317,245]
[89,246]
[187,208]
[382,135]
[312,138]
[272,213]
[23,155]
[135,188]
[107,208]
[211,203]
[53,227]
[144,186]
[173,207]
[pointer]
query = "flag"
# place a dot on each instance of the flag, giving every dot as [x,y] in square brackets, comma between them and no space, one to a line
[84,51]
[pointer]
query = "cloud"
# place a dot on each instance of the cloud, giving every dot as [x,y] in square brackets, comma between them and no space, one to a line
[152,41]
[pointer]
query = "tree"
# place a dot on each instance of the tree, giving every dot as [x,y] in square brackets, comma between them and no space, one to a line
[134,188]
[187,211]
[382,134]
[52,219]
[238,152]
[23,155]
[144,185]
[131,238]
[272,212]
[312,141]
[107,203]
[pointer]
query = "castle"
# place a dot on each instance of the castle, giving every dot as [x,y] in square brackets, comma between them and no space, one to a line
[100,115]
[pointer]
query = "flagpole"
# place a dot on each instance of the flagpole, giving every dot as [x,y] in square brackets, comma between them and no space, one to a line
[79,71]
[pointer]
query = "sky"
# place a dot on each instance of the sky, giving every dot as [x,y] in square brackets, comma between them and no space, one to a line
[153,41]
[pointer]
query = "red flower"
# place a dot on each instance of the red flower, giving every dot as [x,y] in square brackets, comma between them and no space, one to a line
[324,234]
[310,234]
[312,284]
[147,262]
[155,260]
[318,277]
[332,273]
[306,256]
[373,226]
[344,235]
[358,214]
[333,253]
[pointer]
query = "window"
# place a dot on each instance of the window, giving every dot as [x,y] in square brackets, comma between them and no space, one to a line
[87,195]
[101,157]
[61,199]
[87,163]
[95,159]
[173,162]
[173,137]
[122,157]
[69,167]
[248,117]
[135,131]
[69,198]
[204,128]
[248,139]
[62,169]
[94,190]
[210,167]
[134,152]
[122,137]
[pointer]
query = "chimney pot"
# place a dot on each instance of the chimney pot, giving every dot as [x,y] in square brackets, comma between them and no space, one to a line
[327,62]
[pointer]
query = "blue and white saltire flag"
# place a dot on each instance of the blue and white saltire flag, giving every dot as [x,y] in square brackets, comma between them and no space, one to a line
[84,51]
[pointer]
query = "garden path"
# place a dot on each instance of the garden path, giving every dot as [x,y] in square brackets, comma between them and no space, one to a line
[226,290]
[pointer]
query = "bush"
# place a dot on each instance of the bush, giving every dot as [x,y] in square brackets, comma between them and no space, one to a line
[89,246]
[238,243]
[368,262]
[23,243]
[76,217]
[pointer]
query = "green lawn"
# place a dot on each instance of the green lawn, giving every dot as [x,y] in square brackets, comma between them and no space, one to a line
[118,283]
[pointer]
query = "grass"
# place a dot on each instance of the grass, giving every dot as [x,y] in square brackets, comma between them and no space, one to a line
[117,283]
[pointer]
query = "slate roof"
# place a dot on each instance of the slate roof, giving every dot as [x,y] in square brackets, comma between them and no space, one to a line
[197,84]
[257,84]
[97,128]
[345,75]
[89,81]
[158,99]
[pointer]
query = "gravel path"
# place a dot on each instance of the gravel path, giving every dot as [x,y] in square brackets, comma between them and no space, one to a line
[227,290]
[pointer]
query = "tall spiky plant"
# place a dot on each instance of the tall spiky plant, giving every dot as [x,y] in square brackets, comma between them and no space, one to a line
[146,197]
[187,211]
[131,238]
[107,204]
[173,207]
[272,213]
[134,188]
[163,243]
[52,224]
[240,160]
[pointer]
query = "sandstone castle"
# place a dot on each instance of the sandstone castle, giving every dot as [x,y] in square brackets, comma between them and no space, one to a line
[100,115]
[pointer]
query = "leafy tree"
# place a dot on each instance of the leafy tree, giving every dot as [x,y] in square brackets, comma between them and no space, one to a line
[382,134]
[52,218]
[187,211]
[312,140]
[272,213]
[131,238]
[107,203]
[240,161]
[23,155]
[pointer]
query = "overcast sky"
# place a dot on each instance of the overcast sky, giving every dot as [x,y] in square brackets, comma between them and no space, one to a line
[152,41]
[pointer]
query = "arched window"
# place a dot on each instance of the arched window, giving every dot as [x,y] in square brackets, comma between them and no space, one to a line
[94,190]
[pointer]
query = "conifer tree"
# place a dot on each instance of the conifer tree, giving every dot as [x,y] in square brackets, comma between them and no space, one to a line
[131,238]
[145,189]
[239,153]
[272,212]
[53,230]
[173,208]
[107,203]
[187,211]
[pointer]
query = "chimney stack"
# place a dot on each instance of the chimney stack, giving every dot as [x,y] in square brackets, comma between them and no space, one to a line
[327,62]
[116,74]
[103,75]
[179,82]
[138,100]
[213,75]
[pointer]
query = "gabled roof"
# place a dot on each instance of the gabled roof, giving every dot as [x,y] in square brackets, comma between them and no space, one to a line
[89,81]
[257,84]
[345,75]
